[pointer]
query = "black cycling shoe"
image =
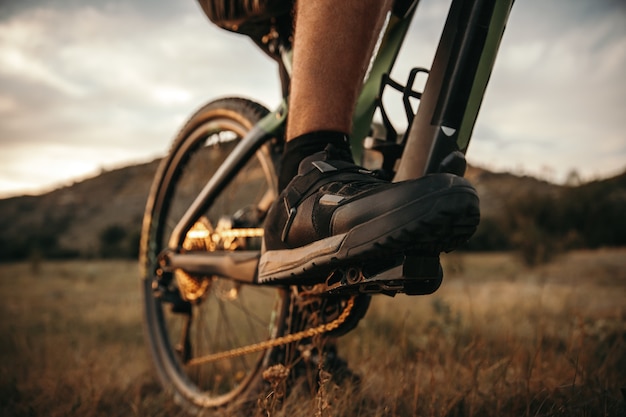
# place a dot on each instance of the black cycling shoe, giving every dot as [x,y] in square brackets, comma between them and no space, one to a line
[334,213]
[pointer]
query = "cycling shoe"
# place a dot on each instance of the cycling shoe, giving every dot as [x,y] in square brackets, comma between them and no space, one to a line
[334,213]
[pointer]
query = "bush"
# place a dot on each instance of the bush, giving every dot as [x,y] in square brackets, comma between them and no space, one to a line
[112,240]
[542,224]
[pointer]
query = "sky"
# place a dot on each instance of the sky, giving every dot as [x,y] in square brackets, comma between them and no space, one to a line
[93,85]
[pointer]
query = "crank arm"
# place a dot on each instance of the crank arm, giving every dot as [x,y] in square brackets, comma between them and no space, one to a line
[240,266]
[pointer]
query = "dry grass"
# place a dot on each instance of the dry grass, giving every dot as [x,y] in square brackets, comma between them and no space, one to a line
[72,342]
[497,339]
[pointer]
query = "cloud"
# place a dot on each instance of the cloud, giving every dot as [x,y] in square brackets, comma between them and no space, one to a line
[90,77]
[108,82]
[558,83]
[152,10]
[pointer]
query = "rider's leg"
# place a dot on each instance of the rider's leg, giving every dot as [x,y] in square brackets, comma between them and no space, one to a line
[333,213]
[332,48]
[333,44]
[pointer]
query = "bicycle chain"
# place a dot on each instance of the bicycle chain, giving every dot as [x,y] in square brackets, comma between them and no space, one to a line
[279,341]
[202,233]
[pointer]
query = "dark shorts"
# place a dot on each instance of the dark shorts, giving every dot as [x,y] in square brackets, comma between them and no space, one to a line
[244,16]
[255,17]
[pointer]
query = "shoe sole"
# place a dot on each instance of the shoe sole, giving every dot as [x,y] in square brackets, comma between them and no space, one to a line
[437,222]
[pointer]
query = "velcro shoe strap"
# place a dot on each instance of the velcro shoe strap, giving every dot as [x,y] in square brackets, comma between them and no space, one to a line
[321,172]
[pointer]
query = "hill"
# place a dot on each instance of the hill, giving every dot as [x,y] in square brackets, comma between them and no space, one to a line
[541,219]
[73,221]
[101,216]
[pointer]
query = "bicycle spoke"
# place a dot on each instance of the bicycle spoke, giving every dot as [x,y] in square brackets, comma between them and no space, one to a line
[222,318]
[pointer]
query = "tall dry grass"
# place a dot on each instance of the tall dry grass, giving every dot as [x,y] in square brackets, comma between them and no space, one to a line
[72,342]
[497,339]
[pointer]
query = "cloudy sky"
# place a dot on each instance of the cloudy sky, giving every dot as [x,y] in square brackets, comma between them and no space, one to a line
[87,85]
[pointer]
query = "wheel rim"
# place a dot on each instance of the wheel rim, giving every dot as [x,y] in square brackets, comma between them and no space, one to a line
[229,315]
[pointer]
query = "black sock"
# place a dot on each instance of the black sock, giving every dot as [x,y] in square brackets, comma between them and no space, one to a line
[304,146]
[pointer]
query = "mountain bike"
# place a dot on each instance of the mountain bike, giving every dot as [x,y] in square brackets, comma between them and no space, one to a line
[211,328]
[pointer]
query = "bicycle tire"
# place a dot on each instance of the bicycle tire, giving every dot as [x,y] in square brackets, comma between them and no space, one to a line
[198,150]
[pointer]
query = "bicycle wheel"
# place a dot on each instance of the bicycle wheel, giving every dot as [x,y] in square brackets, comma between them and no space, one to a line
[189,317]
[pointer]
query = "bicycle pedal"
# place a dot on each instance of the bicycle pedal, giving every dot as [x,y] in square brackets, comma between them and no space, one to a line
[411,274]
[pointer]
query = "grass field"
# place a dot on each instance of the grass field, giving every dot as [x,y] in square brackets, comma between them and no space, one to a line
[497,339]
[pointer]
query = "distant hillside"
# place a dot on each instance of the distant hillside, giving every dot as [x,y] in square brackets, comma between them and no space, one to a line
[496,190]
[70,221]
[517,213]
[541,219]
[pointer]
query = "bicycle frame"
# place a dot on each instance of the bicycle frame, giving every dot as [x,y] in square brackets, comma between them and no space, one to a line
[437,138]
[455,88]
